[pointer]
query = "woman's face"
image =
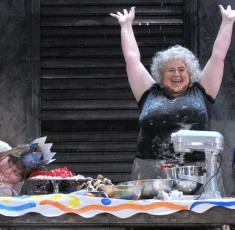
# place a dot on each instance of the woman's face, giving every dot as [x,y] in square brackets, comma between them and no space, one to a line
[175,77]
[9,172]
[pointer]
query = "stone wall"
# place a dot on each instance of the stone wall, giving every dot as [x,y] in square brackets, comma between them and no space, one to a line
[223,119]
[13,71]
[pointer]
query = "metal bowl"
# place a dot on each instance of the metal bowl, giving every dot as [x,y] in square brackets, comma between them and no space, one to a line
[186,178]
[126,192]
[151,187]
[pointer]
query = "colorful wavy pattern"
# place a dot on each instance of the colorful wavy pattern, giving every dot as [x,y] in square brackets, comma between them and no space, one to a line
[213,203]
[58,204]
[115,208]
[19,207]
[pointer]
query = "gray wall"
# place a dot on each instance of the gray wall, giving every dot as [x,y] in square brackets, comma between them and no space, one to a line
[14,72]
[224,108]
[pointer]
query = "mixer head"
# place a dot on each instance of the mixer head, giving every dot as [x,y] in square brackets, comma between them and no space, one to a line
[188,141]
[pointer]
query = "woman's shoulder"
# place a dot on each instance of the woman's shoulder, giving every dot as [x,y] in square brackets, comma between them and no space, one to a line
[153,88]
[198,87]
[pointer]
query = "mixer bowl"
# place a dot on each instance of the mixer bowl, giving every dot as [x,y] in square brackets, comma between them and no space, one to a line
[185,178]
[151,187]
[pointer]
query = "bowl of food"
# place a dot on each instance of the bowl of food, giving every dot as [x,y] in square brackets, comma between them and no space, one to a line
[187,179]
[151,187]
[126,192]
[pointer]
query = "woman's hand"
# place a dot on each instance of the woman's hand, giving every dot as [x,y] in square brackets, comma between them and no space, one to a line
[125,17]
[215,65]
[227,14]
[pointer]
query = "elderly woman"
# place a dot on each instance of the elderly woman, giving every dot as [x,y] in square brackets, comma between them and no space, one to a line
[178,94]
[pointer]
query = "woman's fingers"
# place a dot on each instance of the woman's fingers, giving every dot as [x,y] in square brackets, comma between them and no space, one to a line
[125,12]
[229,7]
[132,9]
[113,15]
[221,8]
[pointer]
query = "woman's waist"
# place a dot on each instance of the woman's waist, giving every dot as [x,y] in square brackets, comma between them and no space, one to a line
[175,158]
[158,157]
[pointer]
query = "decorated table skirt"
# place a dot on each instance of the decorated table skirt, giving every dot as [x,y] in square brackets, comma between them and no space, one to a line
[59,204]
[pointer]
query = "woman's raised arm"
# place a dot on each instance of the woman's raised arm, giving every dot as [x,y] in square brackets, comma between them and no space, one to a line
[139,78]
[212,73]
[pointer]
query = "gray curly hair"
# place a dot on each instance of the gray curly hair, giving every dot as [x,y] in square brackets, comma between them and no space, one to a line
[175,52]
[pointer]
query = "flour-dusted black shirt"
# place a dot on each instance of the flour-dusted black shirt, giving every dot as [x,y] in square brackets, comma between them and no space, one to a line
[162,114]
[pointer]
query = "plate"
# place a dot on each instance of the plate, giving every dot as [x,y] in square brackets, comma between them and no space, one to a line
[60,178]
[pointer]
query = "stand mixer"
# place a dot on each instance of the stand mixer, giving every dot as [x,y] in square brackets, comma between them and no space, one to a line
[210,142]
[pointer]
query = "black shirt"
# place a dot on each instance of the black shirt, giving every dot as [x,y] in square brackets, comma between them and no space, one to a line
[162,114]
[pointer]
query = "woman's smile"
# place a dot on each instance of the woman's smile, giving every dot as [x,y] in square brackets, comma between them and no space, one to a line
[175,76]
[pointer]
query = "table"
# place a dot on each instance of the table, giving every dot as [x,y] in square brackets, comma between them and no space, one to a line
[70,210]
